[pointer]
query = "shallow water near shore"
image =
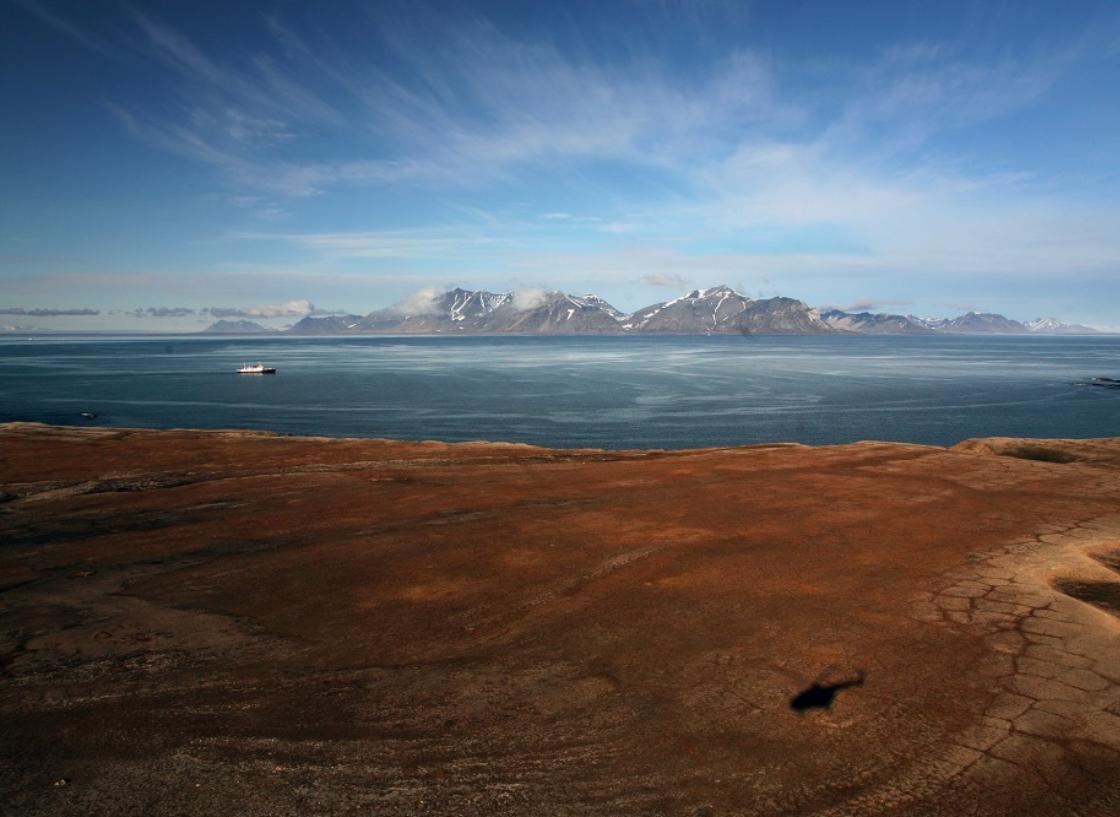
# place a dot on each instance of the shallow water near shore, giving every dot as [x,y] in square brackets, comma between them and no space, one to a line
[609,392]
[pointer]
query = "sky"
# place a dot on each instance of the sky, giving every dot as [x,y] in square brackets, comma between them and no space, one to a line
[165,163]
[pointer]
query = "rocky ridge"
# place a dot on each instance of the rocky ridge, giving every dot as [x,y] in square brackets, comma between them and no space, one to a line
[718,310]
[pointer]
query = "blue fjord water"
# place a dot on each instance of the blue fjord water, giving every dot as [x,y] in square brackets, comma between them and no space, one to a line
[610,392]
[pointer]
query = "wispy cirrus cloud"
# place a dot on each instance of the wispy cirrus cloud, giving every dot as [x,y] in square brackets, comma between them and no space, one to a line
[464,103]
[464,112]
[257,83]
[68,29]
[240,166]
[661,279]
[917,90]
[424,243]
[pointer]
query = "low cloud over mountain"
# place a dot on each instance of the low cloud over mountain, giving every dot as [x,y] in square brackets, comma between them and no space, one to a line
[290,309]
[867,305]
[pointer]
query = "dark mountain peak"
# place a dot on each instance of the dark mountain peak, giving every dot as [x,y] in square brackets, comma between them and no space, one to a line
[242,327]
[983,323]
[326,325]
[875,323]
[781,316]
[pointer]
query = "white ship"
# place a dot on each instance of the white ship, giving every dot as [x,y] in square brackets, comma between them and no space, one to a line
[256,368]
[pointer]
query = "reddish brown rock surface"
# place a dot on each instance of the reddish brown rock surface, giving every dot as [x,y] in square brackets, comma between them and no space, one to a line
[231,623]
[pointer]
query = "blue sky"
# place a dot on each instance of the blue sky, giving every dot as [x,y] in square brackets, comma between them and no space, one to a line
[285,157]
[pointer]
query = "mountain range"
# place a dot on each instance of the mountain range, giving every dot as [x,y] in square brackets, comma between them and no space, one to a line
[714,311]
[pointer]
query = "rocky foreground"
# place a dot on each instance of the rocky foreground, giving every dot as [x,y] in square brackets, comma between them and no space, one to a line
[198,623]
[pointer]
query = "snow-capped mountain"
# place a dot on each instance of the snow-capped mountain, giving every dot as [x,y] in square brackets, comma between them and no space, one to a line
[723,311]
[702,311]
[983,323]
[553,313]
[1053,326]
[936,324]
[462,311]
[717,310]
[973,323]
[596,301]
[432,313]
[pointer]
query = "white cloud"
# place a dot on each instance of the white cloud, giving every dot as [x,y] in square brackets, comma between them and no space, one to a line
[868,304]
[290,309]
[421,302]
[526,299]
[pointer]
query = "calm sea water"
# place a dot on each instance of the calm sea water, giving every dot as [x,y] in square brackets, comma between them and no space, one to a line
[601,391]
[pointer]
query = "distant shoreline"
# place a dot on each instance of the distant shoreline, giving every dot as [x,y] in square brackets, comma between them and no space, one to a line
[995,444]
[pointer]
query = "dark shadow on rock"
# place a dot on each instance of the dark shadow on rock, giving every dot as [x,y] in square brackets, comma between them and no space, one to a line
[1039,453]
[1105,595]
[821,696]
[1111,560]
